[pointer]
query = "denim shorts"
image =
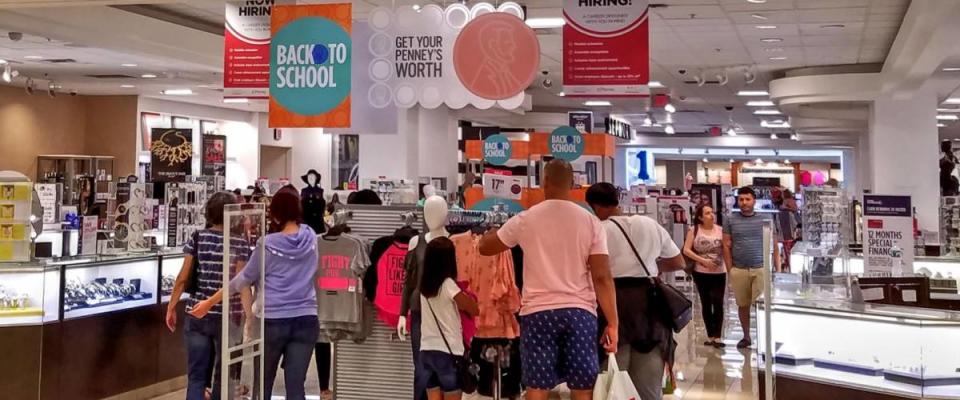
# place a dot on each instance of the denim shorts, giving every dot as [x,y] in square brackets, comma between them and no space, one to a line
[442,368]
[559,346]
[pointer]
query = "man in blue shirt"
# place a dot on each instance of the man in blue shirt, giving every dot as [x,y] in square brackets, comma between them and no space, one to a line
[743,254]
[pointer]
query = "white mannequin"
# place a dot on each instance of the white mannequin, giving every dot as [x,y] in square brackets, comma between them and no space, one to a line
[435,211]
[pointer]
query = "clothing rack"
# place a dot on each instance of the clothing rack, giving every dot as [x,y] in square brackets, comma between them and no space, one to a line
[382,366]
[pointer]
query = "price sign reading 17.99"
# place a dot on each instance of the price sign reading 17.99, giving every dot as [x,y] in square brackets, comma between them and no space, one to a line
[502,186]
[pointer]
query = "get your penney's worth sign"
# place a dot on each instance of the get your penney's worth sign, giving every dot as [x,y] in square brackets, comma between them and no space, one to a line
[482,55]
[310,57]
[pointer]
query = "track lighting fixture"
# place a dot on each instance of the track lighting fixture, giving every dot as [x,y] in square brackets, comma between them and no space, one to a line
[669,130]
[723,78]
[7,74]
[749,76]
[699,79]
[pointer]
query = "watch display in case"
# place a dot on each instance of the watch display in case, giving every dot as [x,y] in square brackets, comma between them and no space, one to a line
[876,348]
[112,285]
[169,269]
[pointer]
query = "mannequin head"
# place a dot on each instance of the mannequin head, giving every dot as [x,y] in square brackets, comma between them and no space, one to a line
[435,212]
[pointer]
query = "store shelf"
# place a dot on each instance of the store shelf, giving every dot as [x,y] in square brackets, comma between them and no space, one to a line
[876,384]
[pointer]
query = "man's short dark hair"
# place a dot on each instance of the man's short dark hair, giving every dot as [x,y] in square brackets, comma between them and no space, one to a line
[747,190]
[213,211]
[603,194]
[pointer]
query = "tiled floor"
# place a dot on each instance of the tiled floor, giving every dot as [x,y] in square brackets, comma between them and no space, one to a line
[703,373]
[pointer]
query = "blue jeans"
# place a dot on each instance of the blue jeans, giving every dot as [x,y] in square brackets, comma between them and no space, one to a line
[292,339]
[202,337]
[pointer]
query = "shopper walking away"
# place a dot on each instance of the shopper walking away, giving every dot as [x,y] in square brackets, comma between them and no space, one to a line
[704,245]
[204,257]
[639,249]
[566,273]
[743,256]
[441,340]
[290,299]
[788,223]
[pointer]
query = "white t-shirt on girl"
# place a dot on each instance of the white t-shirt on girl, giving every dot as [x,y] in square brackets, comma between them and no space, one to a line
[445,307]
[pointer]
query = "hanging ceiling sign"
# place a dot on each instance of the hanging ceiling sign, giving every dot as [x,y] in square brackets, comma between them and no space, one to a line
[582,121]
[310,57]
[497,149]
[566,143]
[606,48]
[456,56]
[246,49]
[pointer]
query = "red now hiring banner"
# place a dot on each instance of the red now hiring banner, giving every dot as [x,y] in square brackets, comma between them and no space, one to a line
[606,48]
[246,49]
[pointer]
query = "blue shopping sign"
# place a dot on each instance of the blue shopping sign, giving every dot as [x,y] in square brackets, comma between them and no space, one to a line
[566,143]
[497,149]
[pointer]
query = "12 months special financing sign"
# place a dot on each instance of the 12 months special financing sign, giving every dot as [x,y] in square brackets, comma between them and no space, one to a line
[887,224]
[310,57]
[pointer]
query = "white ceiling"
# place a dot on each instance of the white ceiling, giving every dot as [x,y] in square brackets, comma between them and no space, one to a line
[696,36]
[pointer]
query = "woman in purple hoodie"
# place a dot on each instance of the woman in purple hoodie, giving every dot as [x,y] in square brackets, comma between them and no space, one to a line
[290,298]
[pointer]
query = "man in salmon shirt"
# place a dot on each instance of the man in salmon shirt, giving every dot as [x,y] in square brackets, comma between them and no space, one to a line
[566,272]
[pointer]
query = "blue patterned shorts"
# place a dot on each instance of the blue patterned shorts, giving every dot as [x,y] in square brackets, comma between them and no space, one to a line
[559,346]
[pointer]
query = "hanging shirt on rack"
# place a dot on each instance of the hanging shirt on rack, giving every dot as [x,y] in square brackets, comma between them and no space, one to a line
[390,278]
[493,281]
[343,260]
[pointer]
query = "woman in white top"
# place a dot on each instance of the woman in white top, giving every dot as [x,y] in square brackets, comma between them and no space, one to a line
[704,245]
[441,340]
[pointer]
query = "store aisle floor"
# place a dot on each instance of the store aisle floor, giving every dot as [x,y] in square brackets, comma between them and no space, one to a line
[703,373]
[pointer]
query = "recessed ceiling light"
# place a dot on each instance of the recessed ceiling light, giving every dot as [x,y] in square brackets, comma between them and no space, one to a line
[236,100]
[545,23]
[128,86]
[177,92]
[794,137]
[705,160]
[670,108]
[833,26]
[758,161]
[766,27]
[947,117]
[148,76]
[669,130]
[655,85]
[787,161]
[731,131]
[760,103]
[951,69]
[941,125]
[647,121]
[952,100]
[561,94]
[597,103]
[33,57]
[771,40]
[784,125]
[773,49]
[949,110]
[773,136]
[759,16]
[128,65]
[781,58]
[756,93]
[767,112]
[731,161]
[757,1]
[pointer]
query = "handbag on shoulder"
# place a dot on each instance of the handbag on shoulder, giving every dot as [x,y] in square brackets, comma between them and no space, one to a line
[678,306]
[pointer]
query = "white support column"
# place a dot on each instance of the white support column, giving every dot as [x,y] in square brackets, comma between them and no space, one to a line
[903,151]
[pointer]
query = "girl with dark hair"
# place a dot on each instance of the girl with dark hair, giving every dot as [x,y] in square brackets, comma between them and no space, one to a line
[441,342]
[704,245]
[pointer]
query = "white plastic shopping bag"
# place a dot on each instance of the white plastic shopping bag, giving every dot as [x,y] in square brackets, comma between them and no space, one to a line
[614,384]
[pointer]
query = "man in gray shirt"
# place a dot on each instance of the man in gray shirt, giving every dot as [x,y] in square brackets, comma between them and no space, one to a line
[743,254]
